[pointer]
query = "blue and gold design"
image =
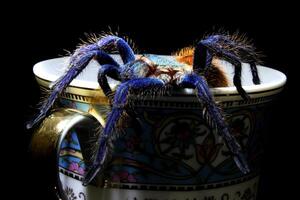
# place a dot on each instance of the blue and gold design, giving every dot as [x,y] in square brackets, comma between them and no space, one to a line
[175,147]
[166,150]
[70,156]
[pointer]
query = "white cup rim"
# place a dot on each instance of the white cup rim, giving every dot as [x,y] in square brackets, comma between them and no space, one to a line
[50,70]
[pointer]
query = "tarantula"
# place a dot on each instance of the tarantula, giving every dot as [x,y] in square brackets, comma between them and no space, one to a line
[190,68]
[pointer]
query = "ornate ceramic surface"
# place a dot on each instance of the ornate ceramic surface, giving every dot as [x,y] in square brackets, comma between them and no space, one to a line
[167,150]
[171,151]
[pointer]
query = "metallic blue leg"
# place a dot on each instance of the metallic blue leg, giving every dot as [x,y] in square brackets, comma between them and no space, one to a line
[256,79]
[77,64]
[232,51]
[205,97]
[109,133]
[235,61]
[124,49]
[237,78]
[202,58]
[239,49]
[111,71]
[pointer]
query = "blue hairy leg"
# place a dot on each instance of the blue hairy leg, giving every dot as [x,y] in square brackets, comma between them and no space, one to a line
[123,47]
[108,136]
[59,85]
[205,97]
[202,58]
[237,70]
[232,51]
[243,50]
[255,79]
[237,76]
[111,71]
[78,61]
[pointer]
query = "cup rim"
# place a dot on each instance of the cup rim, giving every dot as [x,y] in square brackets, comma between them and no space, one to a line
[41,71]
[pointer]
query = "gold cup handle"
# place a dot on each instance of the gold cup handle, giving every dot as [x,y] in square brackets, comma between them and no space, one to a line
[47,138]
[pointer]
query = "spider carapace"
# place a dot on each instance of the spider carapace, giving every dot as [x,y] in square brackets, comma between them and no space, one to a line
[171,69]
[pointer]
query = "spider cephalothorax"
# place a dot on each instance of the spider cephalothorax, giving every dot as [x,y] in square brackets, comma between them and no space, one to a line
[167,69]
[194,68]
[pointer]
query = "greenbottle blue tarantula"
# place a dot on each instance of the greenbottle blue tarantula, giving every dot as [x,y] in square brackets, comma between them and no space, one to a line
[190,68]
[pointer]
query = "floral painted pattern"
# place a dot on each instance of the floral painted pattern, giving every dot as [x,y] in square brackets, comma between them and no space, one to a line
[70,194]
[123,176]
[77,168]
[189,140]
[208,150]
[170,148]
[70,155]
[177,136]
[240,126]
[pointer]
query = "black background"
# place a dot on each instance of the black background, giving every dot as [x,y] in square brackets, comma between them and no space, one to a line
[42,32]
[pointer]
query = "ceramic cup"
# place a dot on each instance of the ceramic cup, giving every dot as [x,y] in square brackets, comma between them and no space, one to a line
[167,151]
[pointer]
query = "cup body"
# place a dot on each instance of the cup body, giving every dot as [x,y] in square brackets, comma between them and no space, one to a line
[167,150]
